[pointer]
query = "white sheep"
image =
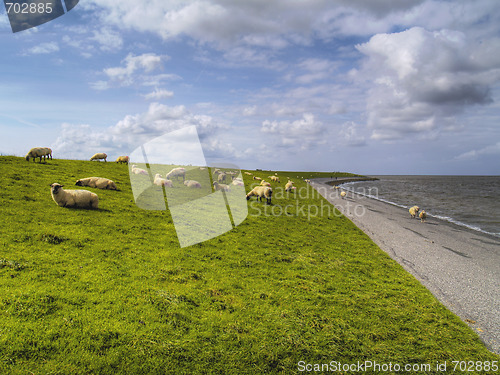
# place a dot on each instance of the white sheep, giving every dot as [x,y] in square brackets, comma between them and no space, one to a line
[99,156]
[38,152]
[257,178]
[123,159]
[73,198]
[265,183]
[202,168]
[136,170]
[238,182]
[97,182]
[221,177]
[414,211]
[192,184]
[274,178]
[162,181]
[222,187]
[423,216]
[248,173]
[261,191]
[343,194]
[177,172]
[289,186]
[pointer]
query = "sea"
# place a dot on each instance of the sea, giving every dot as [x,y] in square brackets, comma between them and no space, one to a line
[469,201]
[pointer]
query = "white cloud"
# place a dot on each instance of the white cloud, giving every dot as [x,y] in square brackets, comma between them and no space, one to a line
[43,48]
[349,132]
[159,94]
[108,39]
[485,151]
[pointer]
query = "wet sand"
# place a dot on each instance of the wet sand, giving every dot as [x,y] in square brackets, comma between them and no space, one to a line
[460,266]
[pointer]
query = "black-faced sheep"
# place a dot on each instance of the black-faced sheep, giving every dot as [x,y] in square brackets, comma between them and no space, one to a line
[260,192]
[289,186]
[38,152]
[97,182]
[123,159]
[73,198]
[99,156]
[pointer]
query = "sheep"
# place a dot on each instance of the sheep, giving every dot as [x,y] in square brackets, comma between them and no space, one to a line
[192,184]
[97,182]
[238,182]
[414,211]
[202,168]
[136,170]
[162,181]
[73,198]
[261,191]
[222,187]
[343,194]
[123,159]
[257,178]
[289,186]
[99,156]
[274,179]
[221,177]
[38,152]
[177,172]
[248,173]
[422,216]
[265,183]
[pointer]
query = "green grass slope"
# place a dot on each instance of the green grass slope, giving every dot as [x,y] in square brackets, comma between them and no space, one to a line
[110,291]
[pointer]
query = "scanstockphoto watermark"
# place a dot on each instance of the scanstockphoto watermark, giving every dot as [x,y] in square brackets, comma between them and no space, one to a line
[307,210]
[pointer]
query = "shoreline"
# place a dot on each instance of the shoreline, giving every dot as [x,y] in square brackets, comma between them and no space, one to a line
[460,266]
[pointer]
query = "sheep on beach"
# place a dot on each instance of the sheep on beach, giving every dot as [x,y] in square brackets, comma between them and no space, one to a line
[177,172]
[159,181]
[99,156]
[343,194]
[97,182]
[136,170]
[260,192]
[192,184]
[414,211]
[423,216]
[222,187]
[38,152]
[123,159]
[73,198]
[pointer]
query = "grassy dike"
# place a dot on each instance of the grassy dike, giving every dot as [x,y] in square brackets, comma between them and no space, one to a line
[110,291]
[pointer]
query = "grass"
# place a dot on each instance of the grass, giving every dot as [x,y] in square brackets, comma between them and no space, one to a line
[110,291]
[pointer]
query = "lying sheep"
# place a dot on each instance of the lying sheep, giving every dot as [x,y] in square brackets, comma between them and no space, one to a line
[238,182]
[97,182]
[73,198]
[162,181]
[192,184]
[123,159]
[222,187]
[99,156]
[423,216]
[202,168]
[38,152]
[257,178]
[414,211]
[248,173]
[265,183]
[289,186]
[177,172]
[136,170]
[261,191]
[343,194]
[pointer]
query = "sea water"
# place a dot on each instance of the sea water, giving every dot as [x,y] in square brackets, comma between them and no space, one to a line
[471,201]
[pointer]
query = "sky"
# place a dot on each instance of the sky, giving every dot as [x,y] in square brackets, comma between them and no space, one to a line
[363,86]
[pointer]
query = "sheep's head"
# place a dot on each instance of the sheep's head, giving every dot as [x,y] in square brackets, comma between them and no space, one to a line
[55,188]
[79,183]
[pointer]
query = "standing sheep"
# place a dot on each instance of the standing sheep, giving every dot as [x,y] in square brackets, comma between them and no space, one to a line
[123,159]
[265,183]
[97,182]
[38,152]
[261,191]
[275,179]
[414,211]
[221,177]
[222,187]
[99,156]
[343,194]
[73,198]
[423,216]
[177,172]
[289,186]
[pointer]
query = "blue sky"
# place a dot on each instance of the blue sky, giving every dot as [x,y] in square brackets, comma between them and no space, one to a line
[365,86]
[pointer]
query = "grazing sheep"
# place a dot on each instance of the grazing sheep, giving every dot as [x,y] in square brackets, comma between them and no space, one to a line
[248,173]
[423,216]
[257,178]
[261,191]
[99,156]
[136,170]
[265,183]
[414,211]
[221,177]
[274,178]
[73,198]
[97,182]
[177,172]
[289,186]
[222,187]
[162,181]
[192,184]
[343,194]
[38,152]
[123,159]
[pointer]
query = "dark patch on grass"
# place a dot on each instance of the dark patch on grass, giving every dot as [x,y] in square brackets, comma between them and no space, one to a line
[52,238]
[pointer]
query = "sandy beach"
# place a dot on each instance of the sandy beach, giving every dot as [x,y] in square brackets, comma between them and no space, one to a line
[460,266]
